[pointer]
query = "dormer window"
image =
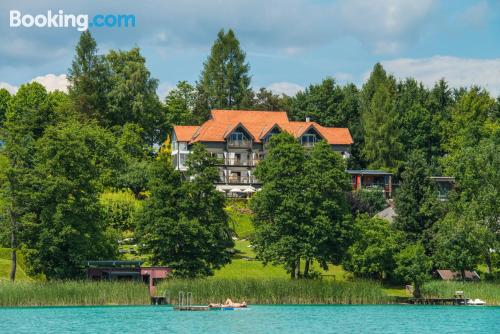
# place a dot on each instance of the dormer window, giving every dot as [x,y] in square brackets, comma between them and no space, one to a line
[308,140]
[238,139]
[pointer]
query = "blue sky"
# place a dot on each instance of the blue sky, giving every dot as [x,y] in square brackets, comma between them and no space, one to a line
[289,44]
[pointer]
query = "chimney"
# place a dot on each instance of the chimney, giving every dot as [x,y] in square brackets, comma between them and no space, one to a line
[308,119]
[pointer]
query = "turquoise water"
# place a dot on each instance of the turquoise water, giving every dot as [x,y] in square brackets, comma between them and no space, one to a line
[257,319]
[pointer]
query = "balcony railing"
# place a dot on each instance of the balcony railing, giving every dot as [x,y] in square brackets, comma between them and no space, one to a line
[239,180]
[241,143]
[240,162]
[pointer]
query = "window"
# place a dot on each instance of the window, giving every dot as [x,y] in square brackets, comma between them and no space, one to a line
[308,140]
[182,159]
[238,136]
[238,139]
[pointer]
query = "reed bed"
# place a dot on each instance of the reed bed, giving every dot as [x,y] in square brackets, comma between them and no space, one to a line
[72,293]
[487,291]
[277,291]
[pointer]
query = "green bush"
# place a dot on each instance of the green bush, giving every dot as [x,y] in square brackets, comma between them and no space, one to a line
[119,209]
[368,200]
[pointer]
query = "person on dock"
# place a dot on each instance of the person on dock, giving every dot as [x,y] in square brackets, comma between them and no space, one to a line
[228,303]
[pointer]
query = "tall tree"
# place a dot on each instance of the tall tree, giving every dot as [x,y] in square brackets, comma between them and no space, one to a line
[382,148]
[224,80]
[301,211]
[132,96]
[417,206]
[74,163]
[28,114]
[204,205]
[183,223]
[439,104]
[279,208]
[89,79]
[328,234]
[416,127]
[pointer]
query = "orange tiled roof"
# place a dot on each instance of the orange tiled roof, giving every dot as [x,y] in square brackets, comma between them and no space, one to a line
[185,132]
[258,124]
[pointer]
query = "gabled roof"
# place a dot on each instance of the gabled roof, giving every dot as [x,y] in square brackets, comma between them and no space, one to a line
[258,124]
[446,274]
[268,129]
[228,132]
[185,132]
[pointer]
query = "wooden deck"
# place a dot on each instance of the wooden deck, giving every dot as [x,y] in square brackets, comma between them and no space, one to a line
[192,308]
[438,301]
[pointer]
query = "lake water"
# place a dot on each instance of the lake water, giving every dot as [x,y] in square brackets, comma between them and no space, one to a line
[256,319]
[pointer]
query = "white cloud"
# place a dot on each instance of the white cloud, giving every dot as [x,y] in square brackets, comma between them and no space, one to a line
[288,88]
[459,72]
[384,25]
[50,81]
[53,82]
[12,89]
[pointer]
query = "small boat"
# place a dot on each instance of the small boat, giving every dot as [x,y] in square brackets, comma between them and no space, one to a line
[476,302]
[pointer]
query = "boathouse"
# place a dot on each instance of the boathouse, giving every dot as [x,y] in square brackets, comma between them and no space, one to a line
[127,271]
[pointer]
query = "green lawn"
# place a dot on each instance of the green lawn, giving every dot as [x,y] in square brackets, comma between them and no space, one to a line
[245,266]
[241,223]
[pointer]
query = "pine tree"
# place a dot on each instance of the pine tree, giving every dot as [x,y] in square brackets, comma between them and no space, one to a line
[89,80]
[224,82]
[382,148]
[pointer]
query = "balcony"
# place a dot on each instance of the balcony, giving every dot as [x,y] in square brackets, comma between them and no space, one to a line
[240,162]
[239,143]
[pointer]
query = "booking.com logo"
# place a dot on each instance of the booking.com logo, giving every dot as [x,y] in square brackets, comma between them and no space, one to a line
[61,20]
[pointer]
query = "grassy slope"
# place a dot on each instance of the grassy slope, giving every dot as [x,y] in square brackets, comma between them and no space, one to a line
[245,266]
[5,264]
[5,271]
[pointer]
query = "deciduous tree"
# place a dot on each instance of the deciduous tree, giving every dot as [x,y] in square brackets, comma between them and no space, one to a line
[372,253]
[414,266]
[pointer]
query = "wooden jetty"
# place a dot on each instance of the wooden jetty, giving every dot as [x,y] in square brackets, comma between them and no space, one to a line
[438,301]
[191,308]
[457,299]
